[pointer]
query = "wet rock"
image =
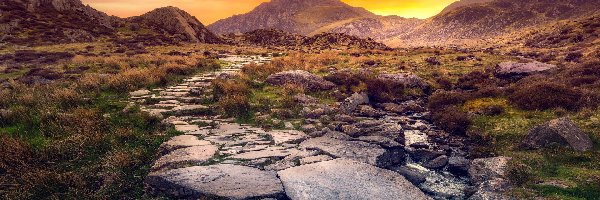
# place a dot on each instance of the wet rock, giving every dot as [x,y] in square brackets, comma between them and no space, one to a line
[346,179]
[354,150]
[514,69]
[558,132]
[420,145]
[415,176]
[301,78]
[351,103]
[381,141]
[437,163]
[424,155]
[217,181]
[458,165]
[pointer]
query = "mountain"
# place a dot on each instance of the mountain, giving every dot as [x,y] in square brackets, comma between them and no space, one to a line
[462,3]
[176,22]
[378,28]
[476,22]
[295,16]
[52,21]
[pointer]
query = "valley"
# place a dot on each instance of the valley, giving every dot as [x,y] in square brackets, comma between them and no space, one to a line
[315,99]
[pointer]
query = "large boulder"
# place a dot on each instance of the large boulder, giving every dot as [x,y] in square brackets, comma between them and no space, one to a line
[301,78]
[356,150]
[217,182]
[489,177]
[346,179]
[514,69]
[560,131]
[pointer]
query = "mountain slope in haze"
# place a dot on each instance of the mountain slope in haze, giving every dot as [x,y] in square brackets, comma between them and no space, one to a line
[295,16]
[378,28]
[178,23]
[492,19]
[51,21]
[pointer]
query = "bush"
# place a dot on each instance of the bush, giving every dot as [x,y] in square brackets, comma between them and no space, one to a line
[232,96]
[385,91]
[442,99]
[473,80]
[545,95]
[452,120]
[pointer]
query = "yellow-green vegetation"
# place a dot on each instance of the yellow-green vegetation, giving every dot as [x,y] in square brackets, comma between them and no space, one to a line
[75,137]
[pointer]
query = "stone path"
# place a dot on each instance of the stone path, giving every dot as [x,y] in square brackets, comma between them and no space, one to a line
[218,158]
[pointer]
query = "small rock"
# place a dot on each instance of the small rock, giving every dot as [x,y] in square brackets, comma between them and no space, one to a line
[315,159]
[458,165]
[437,163]
[351,103]
[415,176]
[513,69]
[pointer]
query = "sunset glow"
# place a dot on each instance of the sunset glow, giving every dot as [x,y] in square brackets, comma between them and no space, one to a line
[209,11]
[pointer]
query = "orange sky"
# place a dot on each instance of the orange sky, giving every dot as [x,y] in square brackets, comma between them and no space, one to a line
[209,11]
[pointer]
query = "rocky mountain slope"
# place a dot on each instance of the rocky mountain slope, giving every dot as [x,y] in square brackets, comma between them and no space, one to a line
[462,3]
[39,22]
[178,23]
[486,20]
[295,16]
[278,38]
[52,21]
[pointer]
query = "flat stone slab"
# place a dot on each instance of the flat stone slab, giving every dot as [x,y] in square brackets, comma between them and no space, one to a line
[346,179]
[287,136]
[139,93]
[354,150]
[195,155]
[217,181]
[182,141]
[187,128]
[271,152]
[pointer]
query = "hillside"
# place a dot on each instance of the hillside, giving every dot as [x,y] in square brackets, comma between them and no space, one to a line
[295,16]
[480,21]
[52,21]
[462,3]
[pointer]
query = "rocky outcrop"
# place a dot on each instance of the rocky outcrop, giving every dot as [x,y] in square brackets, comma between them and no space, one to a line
[174,21]
[514,69]
[339,40]
[558,132]
[360,181]
[407,80]
[217,181]
[301,78]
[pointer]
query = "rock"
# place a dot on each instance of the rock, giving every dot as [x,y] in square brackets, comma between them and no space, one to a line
[355,150]
[514,69]
[492,189]
[380,140]
[559,131]
[182,141]
[287,136]
[437,163]
[344,118]
[309,128]
[368,111]
[405,107]
[350,129]
[336,135]
[139,93]
[484,169]
[420,145]
[288,125]
[189,110]
[196,155]
[271,152]
[407,80]
[458,165]
[351,103]
[346,179]
[301,78]
[415,176]
[315,159]
[304,99]
[424,155]
[217,181]
[313,113]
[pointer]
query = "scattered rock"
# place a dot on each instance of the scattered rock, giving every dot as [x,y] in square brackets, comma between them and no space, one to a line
[182,141]
[354,150]
[484,169]
[315,159]
[560,131]
[415,176]
[217,181]
[514,69]
[346,179]
[368,111]
[351,103]
[304,99]
[287,136]
[301,78]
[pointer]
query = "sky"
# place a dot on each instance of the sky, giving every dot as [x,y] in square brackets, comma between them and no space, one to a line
[209,11]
